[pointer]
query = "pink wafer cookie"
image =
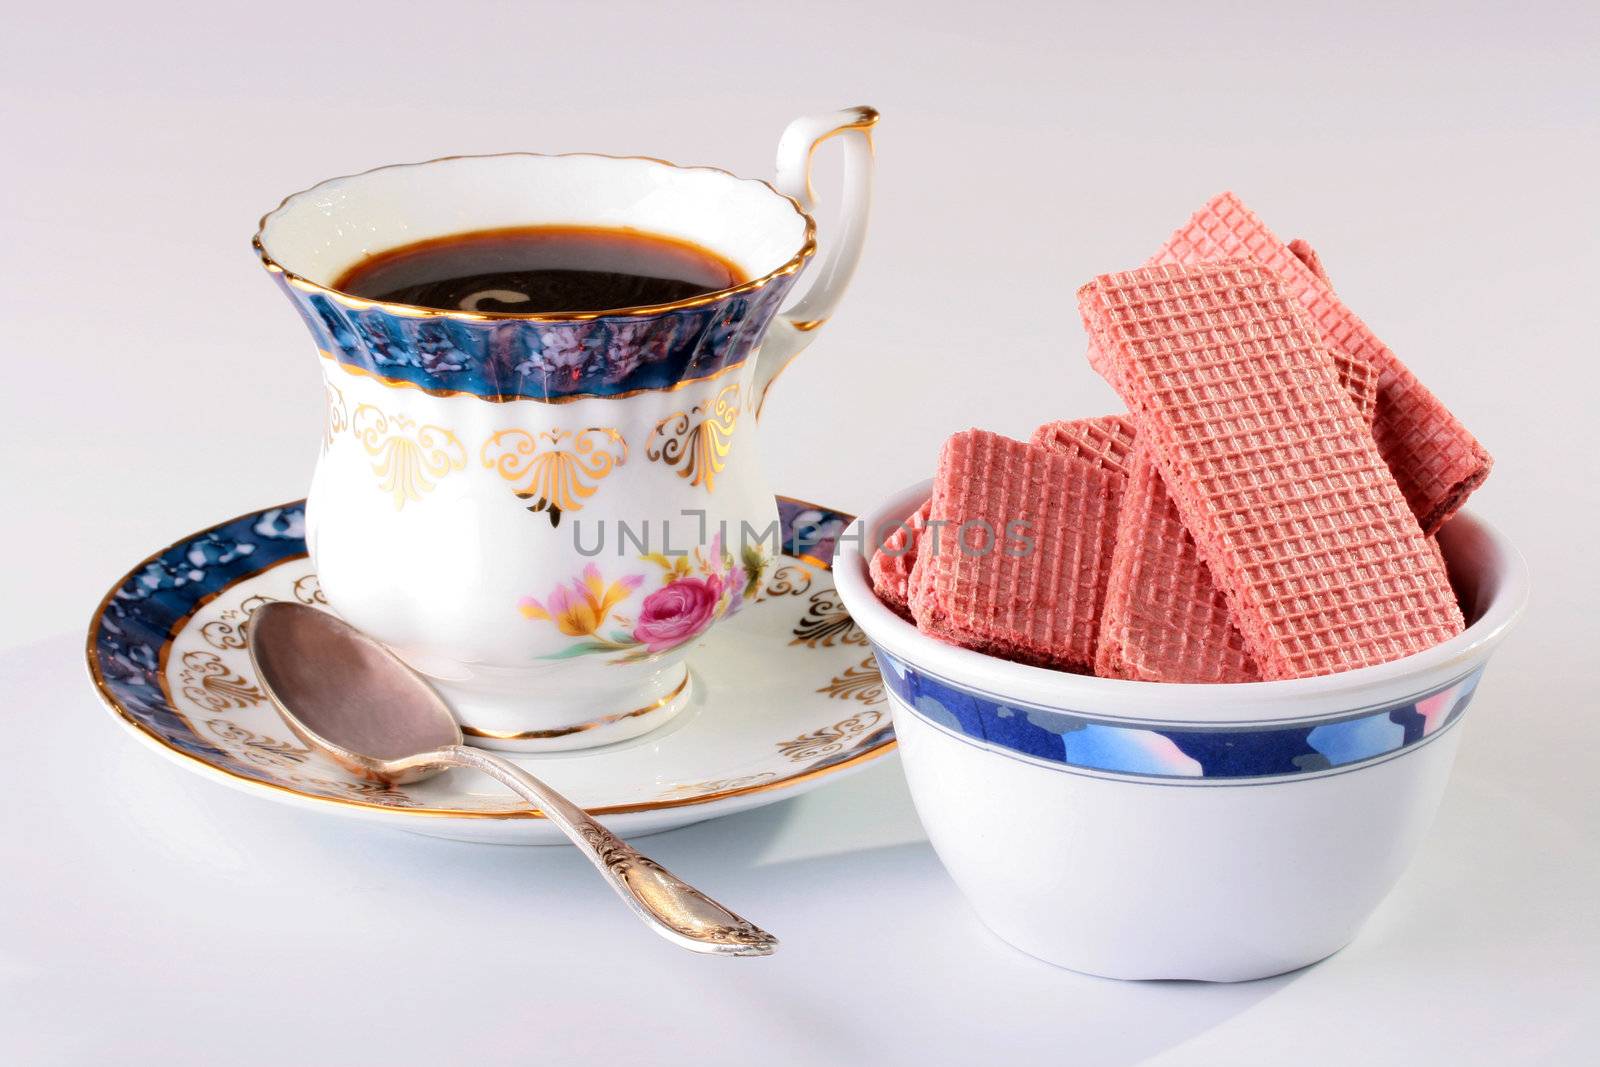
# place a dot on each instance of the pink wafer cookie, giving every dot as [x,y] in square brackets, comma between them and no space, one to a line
[1164,619]
[1272,468]
[1030,593]
[1357,376]
[890,567]
[1306,254]
[1436,462]
[1106,441]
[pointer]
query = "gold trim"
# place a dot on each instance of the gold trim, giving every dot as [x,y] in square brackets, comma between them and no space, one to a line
[408,459]
[688,788]
[211,769]
[558,480]
[508,398]
[808,247]
[863,682]
[761,401]
[699,450]
[336,415]
[830,739]
[866,119]
[565,731]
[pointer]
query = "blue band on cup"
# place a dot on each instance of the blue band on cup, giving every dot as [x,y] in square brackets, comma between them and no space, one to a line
[522,359]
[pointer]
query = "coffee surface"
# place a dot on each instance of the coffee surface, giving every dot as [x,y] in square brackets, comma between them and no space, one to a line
[534,270]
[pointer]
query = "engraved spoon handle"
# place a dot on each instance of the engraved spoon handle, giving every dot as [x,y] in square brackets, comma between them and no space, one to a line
[673,908]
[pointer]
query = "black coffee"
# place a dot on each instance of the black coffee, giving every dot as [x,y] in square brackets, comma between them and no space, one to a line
[540,269]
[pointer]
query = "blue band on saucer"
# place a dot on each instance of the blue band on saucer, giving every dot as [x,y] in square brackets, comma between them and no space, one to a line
[1230,752]
[140,618]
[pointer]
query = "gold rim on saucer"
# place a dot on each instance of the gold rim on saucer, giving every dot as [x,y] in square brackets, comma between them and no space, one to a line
[162,744]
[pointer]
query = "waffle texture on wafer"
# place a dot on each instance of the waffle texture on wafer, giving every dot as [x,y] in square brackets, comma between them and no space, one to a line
[1164,620]
[1271,465]
[1105,441]
[1357,376]
[1436,462]
[1030,592]
[890,568]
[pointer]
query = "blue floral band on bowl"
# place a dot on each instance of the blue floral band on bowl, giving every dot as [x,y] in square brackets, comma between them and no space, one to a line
[523,359]
[1224,753]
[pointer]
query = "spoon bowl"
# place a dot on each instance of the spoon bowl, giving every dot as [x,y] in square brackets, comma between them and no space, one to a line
[345,694]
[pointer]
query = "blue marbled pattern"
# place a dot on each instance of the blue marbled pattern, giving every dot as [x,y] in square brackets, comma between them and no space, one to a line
[1230,752]
[809,529]
[521,359]
[141,615]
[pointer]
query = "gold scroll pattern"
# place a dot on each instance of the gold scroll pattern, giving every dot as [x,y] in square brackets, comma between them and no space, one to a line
[409,459]
[696,442]
[556,470]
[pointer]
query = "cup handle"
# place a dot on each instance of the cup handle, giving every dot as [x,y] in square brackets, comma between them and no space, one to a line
[794,328]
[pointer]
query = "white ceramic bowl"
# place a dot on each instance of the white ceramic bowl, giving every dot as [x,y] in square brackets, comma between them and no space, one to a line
[1214,832]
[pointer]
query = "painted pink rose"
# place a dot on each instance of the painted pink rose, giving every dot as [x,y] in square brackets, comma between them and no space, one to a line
[677,611]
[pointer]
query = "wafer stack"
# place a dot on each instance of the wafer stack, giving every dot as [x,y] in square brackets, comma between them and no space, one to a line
[1265,512]
[1105,442]
[1164,619]
[1436,462]
[891,564]
[1272,468]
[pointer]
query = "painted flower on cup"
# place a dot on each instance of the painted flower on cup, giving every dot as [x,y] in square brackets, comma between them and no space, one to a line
[581,608]
[678,611]
[696,590]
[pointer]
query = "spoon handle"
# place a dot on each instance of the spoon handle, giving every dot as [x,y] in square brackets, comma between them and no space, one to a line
[673,908]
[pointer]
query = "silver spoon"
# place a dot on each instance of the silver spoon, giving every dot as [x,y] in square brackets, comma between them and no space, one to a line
[342,692]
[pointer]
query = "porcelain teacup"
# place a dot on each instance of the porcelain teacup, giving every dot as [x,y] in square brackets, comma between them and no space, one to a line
[542,513]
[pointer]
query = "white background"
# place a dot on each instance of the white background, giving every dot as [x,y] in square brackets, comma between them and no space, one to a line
[1443,161]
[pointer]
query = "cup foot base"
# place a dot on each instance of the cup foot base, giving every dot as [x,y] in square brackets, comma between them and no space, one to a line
[589,733]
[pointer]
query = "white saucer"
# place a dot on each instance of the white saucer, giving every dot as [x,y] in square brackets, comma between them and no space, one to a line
[783,700]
